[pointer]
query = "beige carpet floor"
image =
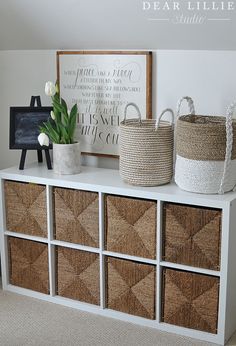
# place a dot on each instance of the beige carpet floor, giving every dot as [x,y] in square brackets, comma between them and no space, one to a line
[30,322]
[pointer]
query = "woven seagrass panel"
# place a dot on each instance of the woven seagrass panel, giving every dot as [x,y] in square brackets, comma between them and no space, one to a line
[26,208]
[76,216]
[28,264]
[192,235]
[190,300]
[130,226]
[130,287]
[203,138]
[78,275]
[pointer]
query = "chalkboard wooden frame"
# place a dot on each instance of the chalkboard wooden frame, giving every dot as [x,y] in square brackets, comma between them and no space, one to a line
[42,112]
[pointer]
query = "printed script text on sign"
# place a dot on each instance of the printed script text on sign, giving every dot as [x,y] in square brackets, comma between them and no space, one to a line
[102,85]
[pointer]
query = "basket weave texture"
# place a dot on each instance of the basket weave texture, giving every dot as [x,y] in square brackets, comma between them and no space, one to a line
[130,287]
[28,264]
[203,138]
[192,235]
[190,300]
[146,154]
[26,208]
[206,151]
[130,226]
[78,275]
[76,216]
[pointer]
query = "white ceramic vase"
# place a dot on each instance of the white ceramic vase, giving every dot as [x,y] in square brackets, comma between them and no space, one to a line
[66,158]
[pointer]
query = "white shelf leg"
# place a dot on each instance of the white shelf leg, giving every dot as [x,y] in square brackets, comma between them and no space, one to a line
[224,272]
[3,239]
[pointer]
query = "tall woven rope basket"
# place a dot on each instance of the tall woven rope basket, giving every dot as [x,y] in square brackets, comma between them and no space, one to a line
[205,151]
[146,150]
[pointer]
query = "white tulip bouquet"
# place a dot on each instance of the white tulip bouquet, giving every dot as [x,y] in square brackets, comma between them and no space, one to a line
[60,129]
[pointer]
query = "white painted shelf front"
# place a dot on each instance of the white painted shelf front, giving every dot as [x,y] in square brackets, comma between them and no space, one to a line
[107,182]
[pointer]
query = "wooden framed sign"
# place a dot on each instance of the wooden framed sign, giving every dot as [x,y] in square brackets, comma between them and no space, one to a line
[102,83]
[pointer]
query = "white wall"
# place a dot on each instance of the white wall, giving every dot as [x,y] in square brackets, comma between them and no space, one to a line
[208,76]
[22,74]
[111,24]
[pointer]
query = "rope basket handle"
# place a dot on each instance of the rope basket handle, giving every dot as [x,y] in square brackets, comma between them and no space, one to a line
[192,112]
[190,104]
[137,109]
[229,145]
[159,118]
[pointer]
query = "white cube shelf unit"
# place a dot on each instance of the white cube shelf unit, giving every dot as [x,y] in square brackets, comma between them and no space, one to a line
[158,257]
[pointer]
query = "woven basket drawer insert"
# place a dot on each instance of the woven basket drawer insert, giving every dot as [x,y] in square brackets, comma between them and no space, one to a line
[130,287]
[78,275]
[190,300]
[76,216]
[26,208]
[192,235]
[28,264]
[130,226]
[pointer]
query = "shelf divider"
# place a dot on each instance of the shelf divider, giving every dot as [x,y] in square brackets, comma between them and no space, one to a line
[101,246]
[189,268]
[128,257]
[75,246]
[51,248]
[159,256]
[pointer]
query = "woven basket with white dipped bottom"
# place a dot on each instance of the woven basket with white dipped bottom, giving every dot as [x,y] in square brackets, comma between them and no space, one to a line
[206,151]
[146,150]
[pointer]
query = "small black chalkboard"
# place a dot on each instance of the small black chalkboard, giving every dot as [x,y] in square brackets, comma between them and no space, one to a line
[24,126]
[24,130]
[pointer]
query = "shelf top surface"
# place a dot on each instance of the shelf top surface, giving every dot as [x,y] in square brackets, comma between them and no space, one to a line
[109,181]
